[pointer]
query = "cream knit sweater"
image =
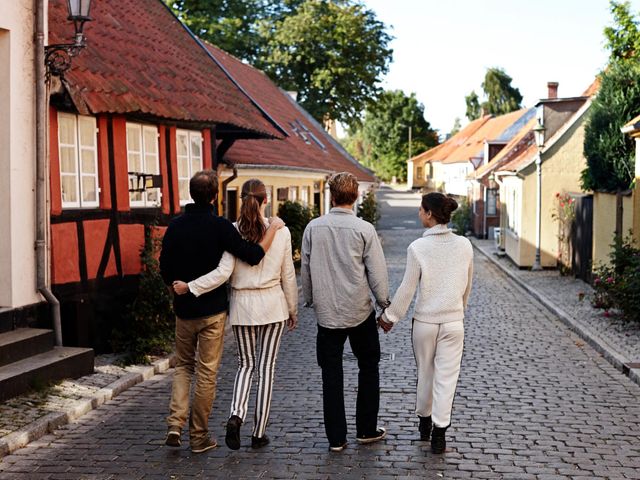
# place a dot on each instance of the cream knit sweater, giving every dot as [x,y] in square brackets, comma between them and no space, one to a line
[440,264]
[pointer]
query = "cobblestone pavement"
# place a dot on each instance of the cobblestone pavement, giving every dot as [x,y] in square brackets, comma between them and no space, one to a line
[533,402]
[574,297]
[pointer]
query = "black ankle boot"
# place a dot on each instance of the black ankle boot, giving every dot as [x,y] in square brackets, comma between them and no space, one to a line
[232,438]
[425,428]
[438,442]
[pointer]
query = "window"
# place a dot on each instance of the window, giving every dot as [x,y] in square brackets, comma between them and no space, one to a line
[189,160]
[304,196]
[142,157]
[268,212]
[419,173]
[78,160]
[293,194]
[512,214]
[491,202]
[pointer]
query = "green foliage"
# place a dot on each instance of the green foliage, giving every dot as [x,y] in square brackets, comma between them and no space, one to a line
[610,154]
[332,52]
[368,209]
[474,110]
[382,141]
[617,284]
[457,126]
[461,218]
[500,96]
[296,216]
[148,328]
[623,37]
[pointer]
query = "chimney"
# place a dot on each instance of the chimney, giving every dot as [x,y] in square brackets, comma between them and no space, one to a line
[552,88]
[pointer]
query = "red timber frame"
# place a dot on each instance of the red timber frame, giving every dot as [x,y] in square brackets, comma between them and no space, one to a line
[95,252]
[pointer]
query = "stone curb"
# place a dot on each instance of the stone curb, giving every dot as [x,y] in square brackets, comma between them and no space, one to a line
[47,424]
[598,344]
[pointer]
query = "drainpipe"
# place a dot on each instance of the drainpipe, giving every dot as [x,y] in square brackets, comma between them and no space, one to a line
[42,103]
[226,182]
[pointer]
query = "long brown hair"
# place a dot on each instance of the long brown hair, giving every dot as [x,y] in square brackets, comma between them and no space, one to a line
[250,223]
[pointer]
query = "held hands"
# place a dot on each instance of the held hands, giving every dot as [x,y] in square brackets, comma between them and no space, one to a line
[180,287]
[276,223]
[292,322]
[385,326]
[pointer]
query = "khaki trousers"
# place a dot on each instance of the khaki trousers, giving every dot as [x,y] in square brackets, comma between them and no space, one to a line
[204,336]
[438,351]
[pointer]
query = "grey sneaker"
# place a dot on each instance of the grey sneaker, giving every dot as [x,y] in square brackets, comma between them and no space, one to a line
[173,437]
[208,444]
[374,437]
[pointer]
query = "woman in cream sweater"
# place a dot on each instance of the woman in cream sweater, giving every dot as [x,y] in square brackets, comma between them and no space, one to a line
[440,267]
[263,298]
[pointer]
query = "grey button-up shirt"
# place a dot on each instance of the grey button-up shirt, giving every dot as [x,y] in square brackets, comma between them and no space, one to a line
[342,260]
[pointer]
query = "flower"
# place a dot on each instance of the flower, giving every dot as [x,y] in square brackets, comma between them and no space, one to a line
[609,280]
[596,281]
[607,314]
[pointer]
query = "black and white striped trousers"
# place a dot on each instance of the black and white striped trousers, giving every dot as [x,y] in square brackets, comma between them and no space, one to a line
[257,346]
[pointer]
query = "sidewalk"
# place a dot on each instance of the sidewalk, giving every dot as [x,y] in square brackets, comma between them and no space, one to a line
[28,417]
[570,299]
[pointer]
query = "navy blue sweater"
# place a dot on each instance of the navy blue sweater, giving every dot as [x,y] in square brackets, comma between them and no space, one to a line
[192,246]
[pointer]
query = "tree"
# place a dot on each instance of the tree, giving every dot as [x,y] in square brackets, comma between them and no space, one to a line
[611,154]
[333,53]
[382,141]
[457,126]
[500,96]
[473,106]
[623,37]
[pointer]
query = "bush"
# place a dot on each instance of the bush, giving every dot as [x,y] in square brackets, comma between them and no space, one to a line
[149,326]
[461,218]
[296,216]
[368,209]
[617,284]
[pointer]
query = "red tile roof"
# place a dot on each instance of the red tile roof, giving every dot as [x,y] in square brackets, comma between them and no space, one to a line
[307,145]
[141,60]
[443,151]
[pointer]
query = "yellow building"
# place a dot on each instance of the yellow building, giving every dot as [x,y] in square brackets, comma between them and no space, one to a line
[633,128]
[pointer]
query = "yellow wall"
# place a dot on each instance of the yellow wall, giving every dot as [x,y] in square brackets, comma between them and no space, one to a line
[276,178]
[636,198]
[561,167]
[604,224]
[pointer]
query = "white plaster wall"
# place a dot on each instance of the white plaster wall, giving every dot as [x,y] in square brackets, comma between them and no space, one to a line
[17,155]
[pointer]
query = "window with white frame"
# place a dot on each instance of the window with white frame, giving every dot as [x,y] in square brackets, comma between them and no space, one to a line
[512,206]
[142,157]
[189,151]
[293,194]
[491,202]
[77,143]
[268,212]
[304,196]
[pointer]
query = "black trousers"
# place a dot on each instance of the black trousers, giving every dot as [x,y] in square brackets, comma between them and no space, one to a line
[365,345]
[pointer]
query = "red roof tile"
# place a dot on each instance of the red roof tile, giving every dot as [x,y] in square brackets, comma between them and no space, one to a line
[140,59]
[306,146]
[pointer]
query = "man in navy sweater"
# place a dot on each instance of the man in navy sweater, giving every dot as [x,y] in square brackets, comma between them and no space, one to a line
[192,246]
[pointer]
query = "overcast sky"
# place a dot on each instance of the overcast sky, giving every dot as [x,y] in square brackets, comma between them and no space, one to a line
[442,48]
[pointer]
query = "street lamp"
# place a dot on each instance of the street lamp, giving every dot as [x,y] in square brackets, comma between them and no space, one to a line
[538,132]
[58,56]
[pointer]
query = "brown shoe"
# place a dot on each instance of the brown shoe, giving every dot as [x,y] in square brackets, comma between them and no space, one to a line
[173,437]
[208,444]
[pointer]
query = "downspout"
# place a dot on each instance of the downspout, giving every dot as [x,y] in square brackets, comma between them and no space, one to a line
[42,103]
[223,192]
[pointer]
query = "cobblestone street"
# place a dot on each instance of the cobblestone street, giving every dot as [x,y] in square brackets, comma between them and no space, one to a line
[533,402]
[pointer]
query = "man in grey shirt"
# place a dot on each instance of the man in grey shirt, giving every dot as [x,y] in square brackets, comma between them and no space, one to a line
[342,262]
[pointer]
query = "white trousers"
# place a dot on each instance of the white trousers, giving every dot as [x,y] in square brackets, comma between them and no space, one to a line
[257,347]
[438,352]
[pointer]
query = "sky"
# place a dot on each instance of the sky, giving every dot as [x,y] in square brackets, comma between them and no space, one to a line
[443,48]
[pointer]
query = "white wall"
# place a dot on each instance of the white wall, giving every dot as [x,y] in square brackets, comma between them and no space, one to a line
[17,155]
[455,178]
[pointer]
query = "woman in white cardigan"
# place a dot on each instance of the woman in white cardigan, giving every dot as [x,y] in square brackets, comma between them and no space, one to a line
[440,266]
[263,298]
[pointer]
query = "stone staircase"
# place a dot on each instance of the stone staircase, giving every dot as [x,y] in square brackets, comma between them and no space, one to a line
[29,359]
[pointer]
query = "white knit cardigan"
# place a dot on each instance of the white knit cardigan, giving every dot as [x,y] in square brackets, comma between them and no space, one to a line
[440,264]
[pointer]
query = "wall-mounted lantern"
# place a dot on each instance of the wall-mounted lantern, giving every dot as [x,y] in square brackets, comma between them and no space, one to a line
[58,56]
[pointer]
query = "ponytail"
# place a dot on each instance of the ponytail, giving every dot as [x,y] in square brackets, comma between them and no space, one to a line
[250,223]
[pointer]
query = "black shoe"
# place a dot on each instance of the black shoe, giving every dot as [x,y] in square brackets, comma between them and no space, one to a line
[374,437]
[425,428]
[232,439]
[438,442]
[338,448]
[259,442]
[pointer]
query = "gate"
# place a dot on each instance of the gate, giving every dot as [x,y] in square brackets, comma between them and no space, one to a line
[582,238]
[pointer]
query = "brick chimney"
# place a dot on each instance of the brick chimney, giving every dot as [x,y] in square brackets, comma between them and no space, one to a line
[552,88]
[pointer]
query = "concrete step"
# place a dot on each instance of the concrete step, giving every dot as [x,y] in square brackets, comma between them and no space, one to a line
[44,368]
[24,342]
